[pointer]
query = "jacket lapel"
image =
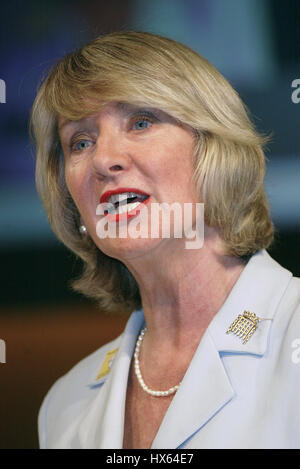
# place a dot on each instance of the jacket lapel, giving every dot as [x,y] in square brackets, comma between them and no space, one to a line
[204,391]
[103,424]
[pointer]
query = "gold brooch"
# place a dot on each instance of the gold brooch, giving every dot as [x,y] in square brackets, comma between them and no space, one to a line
[245,325]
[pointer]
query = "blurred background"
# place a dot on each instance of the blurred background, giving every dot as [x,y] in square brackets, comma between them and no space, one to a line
[47,328]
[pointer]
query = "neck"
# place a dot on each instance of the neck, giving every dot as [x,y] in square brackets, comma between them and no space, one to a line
[182,289]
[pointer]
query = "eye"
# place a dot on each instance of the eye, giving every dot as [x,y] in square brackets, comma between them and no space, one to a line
[80,145]
[143,120]
[142,123]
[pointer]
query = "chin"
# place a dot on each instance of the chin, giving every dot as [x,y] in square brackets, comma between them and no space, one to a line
[127,248]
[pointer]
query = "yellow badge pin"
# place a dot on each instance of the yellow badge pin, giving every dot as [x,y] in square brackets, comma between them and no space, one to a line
[105,368]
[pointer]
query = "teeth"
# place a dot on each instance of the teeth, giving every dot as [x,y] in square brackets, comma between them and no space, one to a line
[118,203]
[124,208]
[118,197]
[124,196]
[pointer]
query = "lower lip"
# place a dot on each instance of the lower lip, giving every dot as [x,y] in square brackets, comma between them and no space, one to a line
[127,215]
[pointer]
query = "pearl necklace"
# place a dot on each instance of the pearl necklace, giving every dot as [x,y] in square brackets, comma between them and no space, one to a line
[139,375]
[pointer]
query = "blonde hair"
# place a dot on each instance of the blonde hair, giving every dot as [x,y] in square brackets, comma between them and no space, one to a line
[145,69]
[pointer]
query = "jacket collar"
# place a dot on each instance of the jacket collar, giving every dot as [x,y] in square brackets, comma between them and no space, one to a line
[206,387]
[259,290]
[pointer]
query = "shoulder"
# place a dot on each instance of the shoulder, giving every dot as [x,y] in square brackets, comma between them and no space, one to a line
[288,317]
[289,307]
[284,354]
[285,347]
[69,400]
[85,372]
[71,393]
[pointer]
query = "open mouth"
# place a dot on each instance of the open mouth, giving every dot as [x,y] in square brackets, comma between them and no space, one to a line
[125,202]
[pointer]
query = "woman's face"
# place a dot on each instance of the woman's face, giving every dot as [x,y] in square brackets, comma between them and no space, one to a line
[123,149]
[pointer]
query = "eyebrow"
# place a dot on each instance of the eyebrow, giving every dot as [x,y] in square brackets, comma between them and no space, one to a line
[67,125]
[64,123]
[132,108]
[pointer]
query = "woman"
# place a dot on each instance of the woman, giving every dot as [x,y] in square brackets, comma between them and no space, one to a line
[137,118]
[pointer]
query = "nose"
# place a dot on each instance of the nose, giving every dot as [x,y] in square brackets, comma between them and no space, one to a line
[110,157]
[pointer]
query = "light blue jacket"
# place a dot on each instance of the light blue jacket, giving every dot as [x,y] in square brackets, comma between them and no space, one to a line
[233,395]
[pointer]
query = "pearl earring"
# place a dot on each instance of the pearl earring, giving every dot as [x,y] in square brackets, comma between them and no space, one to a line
[83,230]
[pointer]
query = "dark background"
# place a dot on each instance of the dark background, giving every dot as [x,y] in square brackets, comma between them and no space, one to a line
[47,327]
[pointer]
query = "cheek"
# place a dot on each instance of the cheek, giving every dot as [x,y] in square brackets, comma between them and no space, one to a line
[177,165]
[70,181]
[75,184]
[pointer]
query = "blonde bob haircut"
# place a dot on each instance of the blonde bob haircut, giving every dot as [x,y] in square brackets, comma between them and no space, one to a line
[145,69]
